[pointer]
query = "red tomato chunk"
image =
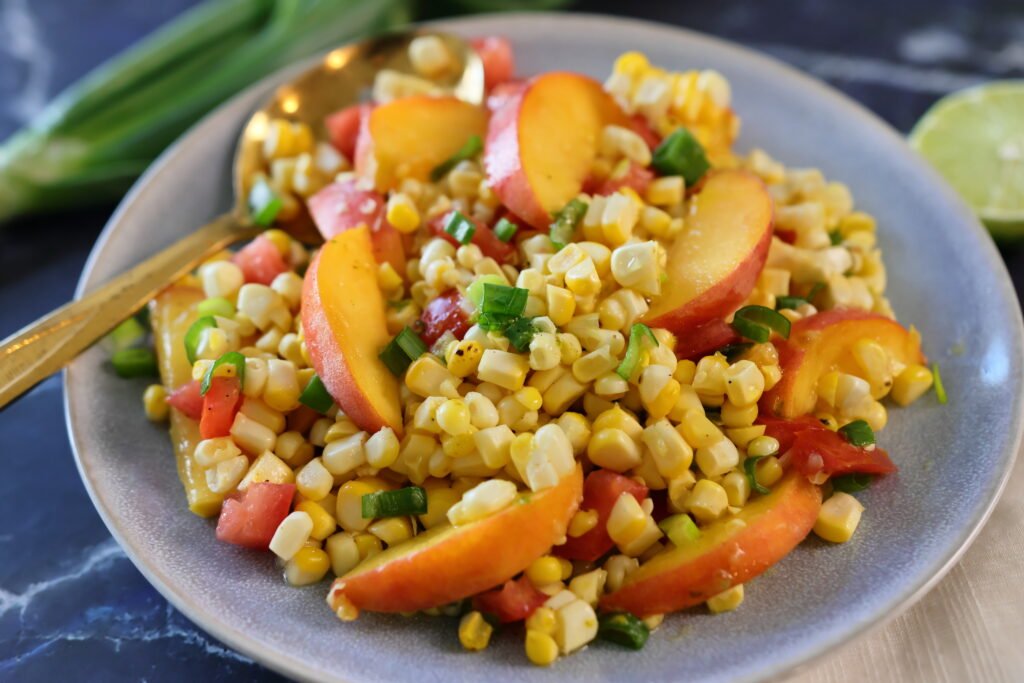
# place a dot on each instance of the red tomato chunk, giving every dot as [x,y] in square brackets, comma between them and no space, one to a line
[261,261]
[343,128]
[814,448]
[220,405]
[249,518]
[600,491]
[499,61]
[187,399]
[444,314]
[515,601]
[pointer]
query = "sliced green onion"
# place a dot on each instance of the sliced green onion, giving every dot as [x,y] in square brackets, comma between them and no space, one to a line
[851,483]
[835,237]
[732,351]
[473,146]
[756,323]
[680,529]
[640,338]
[401,351]
[315,396]
[750,469]
[264,204]
[505,230]
[814,291]
[216,305]
[858,433]
[412,500]
[520,333]
[566,220]
[475,291]
[130,363]
[460,227]
[940,388]
[681,154]
[193,334]
[793,302]
[502,300]
[230,358]
[127,334]
[623,628]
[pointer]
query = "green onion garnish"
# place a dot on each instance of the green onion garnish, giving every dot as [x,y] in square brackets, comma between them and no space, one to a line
[473,146]
[127,334]
[680,529]
[401,351]
[460,227]
[681,154]
[756,323]
[750,469]
[940,388]
[858,433]
[316,397]
[230,358]
[733,351]
[130,363]
[412,500]
[793,302]
[520,333]
[505,230]
[193,334]
[835,237]
[565,223]
[502,300]
[475,291]
[264,204]
[216,306]
[851,483]
[640,338]
[623,628]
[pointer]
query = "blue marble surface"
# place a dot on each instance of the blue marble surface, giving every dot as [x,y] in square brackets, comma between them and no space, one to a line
[71,605]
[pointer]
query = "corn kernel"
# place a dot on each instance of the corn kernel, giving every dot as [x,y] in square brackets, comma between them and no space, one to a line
[267,467]
[323,524]
[707,501]
[474,631]
[627,519]
[313,481]
[589,586]
[291,534]
[744,383]
[507,370]
[481,501]
[838,517]
[308,566]
[392,530]
[911,384]
[541,648]
[343,553]
[613,449]
[737,488]
[768,471]
[349,512]
[698,430]
[439,501]
[464,357]
[727,600]
[718,458]
[737,416]
[544,570]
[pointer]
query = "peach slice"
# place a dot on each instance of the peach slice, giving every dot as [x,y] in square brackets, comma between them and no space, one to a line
[822,343]
[408,137]
[447,563]
[344,325]
[542,141]
[728,552]
[346,204]
[714,264]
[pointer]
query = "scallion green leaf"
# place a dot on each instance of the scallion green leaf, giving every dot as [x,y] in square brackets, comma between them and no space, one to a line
[681,154]
[858,433]
[640,339]
[473,146]
[835,237]
[940,388]
[475,291]
[401,351]
[130,363]
[127,334]
[502,300]
[193,334]
[411,500]
[520,333]
[750,469]
[315,396]
[624,629]
[264,203]
[564,226]
[505,229]
[756,323]
[216,306]
[460,228]
[680,529]
[791,302]
[233,358]
[851,483]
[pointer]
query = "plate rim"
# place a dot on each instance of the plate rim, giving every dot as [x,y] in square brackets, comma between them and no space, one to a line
[774,670]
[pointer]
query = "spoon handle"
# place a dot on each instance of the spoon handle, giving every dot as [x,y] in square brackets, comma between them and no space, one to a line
[33,353]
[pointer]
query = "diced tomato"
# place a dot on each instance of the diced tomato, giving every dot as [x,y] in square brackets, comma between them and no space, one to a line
[483,237]
[502,93]
[636,178]
[187,399]
[444,314]
[705,339]
[261,261]
[343,128]
[787,236]
[514,601]
[220,405]
[499,61]
[642,128]
[814,448]
[600,491]
[346,205]
[249,518]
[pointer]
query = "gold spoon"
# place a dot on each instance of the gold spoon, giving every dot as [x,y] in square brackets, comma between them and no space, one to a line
[342,78]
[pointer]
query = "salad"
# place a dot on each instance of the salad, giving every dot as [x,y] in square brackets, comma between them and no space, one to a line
[566,359]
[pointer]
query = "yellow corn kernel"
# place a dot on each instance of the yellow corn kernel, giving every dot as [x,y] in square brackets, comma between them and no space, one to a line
[873,359]
[658,391]
[582,522]
[727,600]
[594,364]
[709,377]
[267,468]
[349,512]
[382,448]
[707,501]
[392,530]
[738,416]
[439,501]
[838,517]
[529,397]
[402,213]
[627,520]
[911,384]
[388,278]
[685,371]
[474,631]
[563,393]
[582,279]
[313,481]
[343,552]
[482,500]
[763,446]
[666,191]
[293,448]
[828,420]
[507,370]
[718,458]
[772,374]
[544,570]
[453,417]
[768,471]
[855,222]
[744,383]
[617,418]
[588,587]
[323,524]
[672,455]
[459,445]
[464,357]
[561,304]
[742,436]
[577,428]
[737,488]
[698,430]
[875,415]
[154,401]
[427,377]
[308,566]
[368,545]
[541,648]
[543,620]
[613,449]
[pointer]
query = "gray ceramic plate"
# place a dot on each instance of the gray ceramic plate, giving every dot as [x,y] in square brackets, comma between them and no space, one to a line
[946,278]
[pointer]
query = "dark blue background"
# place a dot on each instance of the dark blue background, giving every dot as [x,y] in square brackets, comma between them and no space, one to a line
[71,605]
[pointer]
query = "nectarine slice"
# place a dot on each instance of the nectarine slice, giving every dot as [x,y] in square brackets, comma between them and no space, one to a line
[408,137]
[449,563]
[728,552]
[714,263]
[345,328]
[821,343]
[542,141]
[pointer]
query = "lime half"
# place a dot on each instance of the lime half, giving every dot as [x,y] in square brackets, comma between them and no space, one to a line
[975,138]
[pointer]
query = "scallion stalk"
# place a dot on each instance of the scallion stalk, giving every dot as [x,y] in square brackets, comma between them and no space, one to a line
[640,338]
[940,388]
[315,396]
[193,334]
[233,358]
[460,228]
[681,154]
[750,469]
[851,483]
[130,363]
[505,229]
[858,433]
[473,146]
[757,323]
[401,351]
[411,500]
[680,529]
[566,220]
[623,628]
